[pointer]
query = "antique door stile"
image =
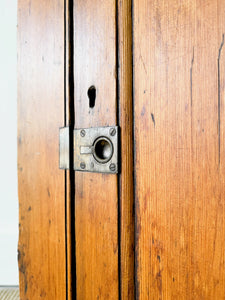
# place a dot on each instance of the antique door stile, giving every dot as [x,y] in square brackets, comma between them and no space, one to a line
[41,185]
[96,195]
[103,205]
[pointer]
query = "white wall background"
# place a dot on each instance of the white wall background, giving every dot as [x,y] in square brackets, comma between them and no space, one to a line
[8,144]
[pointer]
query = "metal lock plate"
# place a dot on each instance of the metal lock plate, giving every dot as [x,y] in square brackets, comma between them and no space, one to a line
[64,148]
[96,149]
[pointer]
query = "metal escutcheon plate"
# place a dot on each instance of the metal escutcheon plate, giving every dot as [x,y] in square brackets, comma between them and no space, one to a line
[96,149]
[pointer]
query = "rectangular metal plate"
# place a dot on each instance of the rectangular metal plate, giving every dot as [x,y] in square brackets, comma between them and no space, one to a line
[96,149]
[64,148]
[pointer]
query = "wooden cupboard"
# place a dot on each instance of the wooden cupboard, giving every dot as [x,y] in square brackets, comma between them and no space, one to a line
[155,230]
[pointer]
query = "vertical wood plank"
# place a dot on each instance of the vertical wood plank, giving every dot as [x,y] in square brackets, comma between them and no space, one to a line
[41,249]
[126,124]
[96,195]
[179,129]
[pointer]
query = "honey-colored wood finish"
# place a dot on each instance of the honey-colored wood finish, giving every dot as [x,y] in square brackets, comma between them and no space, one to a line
[41,249]
[126,123]
[179,80]
[96,195]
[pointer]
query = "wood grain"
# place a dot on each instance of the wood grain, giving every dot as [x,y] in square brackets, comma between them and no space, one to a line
[179,80]
[96,195]
[126,125]
[41,249]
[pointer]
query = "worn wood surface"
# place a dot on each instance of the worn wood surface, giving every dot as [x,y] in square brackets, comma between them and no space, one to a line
[96,195]
[41,249]
[126,123]
[179,80]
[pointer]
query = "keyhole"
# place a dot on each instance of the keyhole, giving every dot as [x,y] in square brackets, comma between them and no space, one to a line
[92,96]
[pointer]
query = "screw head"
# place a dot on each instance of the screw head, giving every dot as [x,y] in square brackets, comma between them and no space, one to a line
[112,131]
[112,167]
[82,165]
[82,132]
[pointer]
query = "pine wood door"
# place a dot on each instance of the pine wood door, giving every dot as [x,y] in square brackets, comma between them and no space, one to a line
[157,229]
[76,237]
[179,117]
